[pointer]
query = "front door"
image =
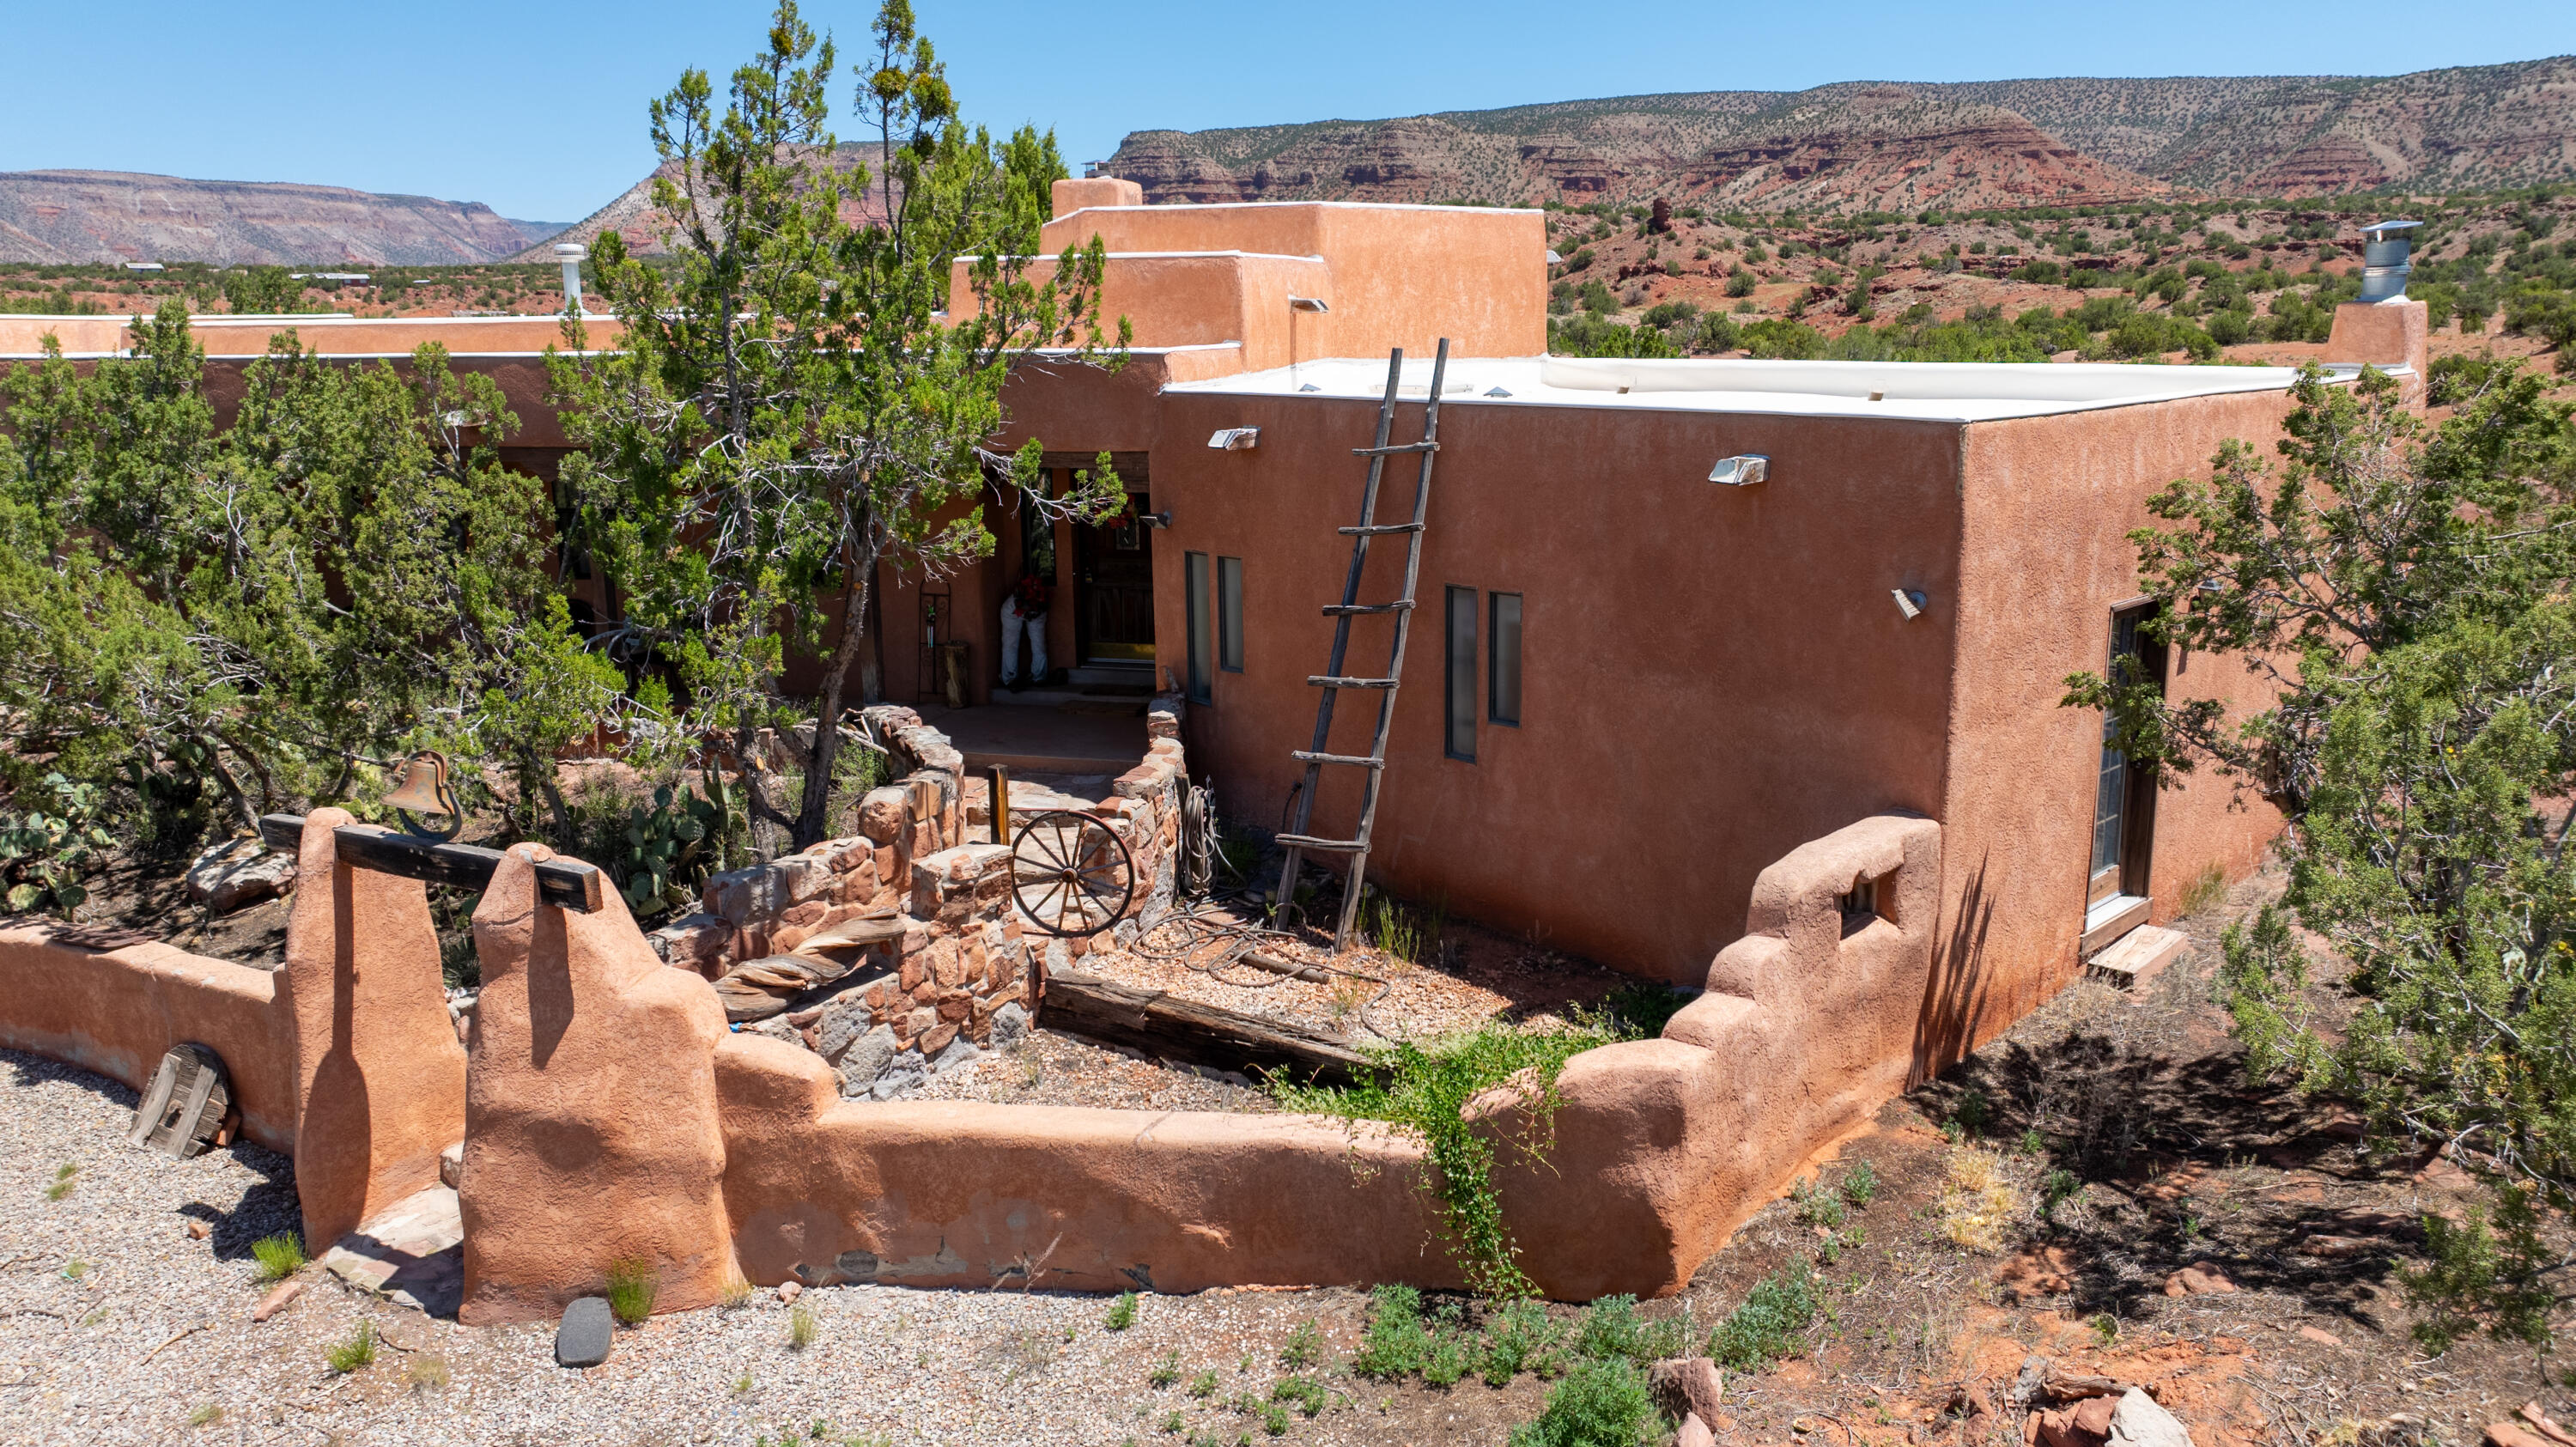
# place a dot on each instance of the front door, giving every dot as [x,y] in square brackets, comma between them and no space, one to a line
[2124,798]
[1114,563]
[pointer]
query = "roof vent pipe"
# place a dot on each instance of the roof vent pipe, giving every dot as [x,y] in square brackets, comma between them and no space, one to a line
[572,254]
[2384,267]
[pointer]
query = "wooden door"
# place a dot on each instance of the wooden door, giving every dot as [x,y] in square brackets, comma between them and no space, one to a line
[2124,798]
[1114,568]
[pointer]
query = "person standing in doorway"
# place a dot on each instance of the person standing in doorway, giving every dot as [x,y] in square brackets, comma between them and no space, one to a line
[1025,607]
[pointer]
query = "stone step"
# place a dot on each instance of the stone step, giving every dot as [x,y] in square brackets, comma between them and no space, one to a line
[2138,956]
[412,1253]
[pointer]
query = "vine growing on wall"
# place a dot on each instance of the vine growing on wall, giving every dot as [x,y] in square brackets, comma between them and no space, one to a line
[1423,1091]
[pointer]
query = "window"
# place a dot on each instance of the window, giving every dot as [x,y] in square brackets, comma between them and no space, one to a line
[1503,660]
[1229,614]
[1461,708]
[1195,594]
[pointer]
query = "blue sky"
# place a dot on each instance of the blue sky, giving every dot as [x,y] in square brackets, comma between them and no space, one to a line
[538,108]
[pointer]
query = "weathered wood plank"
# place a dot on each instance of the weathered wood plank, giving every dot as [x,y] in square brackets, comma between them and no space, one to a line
[567,883]
[1156,1023]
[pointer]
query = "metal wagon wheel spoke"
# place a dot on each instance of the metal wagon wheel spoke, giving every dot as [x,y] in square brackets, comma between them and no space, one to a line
[1071,874]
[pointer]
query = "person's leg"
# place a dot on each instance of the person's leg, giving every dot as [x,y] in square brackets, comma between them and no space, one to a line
[1010,640]
[1037,649]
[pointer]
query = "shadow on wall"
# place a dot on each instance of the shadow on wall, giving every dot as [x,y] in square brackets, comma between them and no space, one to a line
[1956,988]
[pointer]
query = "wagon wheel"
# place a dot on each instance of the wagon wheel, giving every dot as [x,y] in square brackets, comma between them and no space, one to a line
[1071,874]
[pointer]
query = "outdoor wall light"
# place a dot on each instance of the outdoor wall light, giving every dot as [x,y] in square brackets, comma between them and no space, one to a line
[1742,471]
[1910,601]
[1161,519]
[1307,304]
[1235,439]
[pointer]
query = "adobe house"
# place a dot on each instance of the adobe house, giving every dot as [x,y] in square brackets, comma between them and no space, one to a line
[1790,732]
[1631,687]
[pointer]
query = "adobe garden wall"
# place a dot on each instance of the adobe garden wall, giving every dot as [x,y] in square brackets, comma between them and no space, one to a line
[610,1115]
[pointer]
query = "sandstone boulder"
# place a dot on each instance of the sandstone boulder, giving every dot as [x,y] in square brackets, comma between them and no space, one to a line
[238,872]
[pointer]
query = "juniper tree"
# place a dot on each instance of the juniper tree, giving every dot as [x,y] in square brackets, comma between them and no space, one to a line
[2405,595]
[275,608]
[789,407]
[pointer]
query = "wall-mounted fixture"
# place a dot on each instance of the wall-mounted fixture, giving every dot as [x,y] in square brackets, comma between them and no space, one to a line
[1307,304]
[1910,601]
[1742,471]
[572,254]
[1235,439]
[2384,264]
[1309,387]
[1161,519]
[1498,392]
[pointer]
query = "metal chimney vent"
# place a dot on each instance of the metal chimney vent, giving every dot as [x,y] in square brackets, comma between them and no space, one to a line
[2384,267]
[572,254]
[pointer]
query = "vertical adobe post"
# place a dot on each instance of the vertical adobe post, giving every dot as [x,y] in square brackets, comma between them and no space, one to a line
[379,1077]
[591,1138]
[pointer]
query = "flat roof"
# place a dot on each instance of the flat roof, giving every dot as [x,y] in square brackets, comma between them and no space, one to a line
[1916,391]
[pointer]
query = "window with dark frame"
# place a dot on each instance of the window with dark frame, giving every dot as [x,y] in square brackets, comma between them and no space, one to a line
[1229,614]
[1461,701]
[1503,660]
[1195,597]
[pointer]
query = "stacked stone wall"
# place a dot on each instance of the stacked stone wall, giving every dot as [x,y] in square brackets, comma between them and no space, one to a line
[955,962]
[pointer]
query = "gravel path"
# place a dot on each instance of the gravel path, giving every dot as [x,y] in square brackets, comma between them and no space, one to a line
[149,1338]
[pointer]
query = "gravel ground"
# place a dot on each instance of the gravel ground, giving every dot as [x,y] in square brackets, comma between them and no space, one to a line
[149,1339]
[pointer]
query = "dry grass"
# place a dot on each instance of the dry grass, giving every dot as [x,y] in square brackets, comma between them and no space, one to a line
[1980,1205]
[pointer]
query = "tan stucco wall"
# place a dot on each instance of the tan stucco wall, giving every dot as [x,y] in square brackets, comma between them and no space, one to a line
[118,1011]
[2044,559]
[1712,675]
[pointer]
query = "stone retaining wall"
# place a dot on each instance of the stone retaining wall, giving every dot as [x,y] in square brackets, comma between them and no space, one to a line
[922,864]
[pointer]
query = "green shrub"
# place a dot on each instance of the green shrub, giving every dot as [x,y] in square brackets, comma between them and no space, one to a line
[1768,1326]
[279,1256]
[1861,1184]
[1517,1336]
[1816,1205]
[1395,1343]
[1122,1312]
[1599,1404]
[358,1351]
[1304,1347]
[632,1285]
[1739,282]
[1305,1393]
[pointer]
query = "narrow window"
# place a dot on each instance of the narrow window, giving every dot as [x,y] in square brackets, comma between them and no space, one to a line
[1503,667]
[1462,674]
[1195,593]
[1229,614]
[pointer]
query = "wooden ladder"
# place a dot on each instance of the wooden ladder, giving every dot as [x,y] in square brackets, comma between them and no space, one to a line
[1332,681]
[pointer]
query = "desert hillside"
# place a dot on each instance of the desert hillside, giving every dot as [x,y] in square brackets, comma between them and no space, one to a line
[80,217]
[1865,145]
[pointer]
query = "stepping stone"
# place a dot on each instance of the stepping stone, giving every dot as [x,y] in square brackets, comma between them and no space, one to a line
[582,1339]
[412,1253]
[2138,956]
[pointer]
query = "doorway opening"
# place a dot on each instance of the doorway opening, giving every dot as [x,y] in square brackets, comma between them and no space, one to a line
[1113,570]
[2124,798]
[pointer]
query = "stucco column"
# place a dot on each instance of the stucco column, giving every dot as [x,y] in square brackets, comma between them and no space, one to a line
[591,1132]
[2385,334]
[379,1077]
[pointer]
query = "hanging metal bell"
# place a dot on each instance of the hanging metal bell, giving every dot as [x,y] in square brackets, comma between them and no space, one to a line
[424,790]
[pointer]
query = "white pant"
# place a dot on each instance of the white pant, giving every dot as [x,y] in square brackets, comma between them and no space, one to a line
[1012,621]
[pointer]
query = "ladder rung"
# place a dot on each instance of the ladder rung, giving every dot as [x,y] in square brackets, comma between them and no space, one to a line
[1352,610]
[1364,761]
[1400,447]
[1309,841]
[1374,529]
[1322,680]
